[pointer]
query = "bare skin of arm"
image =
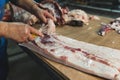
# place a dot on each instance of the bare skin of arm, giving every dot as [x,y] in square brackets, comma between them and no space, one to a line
[18,31]
[30,6]
[22,32]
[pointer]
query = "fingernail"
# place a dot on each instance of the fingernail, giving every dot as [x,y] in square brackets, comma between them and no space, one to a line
[45,21]
[41,35]
[55,19]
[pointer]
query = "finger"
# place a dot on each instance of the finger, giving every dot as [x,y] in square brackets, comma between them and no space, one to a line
[49,16]
[24,39]
[35,32]
[43,18]
[31,38]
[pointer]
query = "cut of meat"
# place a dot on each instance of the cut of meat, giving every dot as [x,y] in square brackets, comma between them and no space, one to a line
[93,59]
[78,15]
[113,25]
[48,28]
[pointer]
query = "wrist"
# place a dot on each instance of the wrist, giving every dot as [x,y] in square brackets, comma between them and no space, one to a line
[3,28]
[35,9]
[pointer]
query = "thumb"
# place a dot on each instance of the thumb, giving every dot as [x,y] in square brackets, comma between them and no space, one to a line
[48,15]
[35,32]
[43,18]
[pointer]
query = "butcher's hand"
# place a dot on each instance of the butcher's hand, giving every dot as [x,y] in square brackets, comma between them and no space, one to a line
[44,15]
[19,32]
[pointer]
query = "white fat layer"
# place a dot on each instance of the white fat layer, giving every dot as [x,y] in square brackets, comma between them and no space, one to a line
[79,59]
[78,14]
[111,55]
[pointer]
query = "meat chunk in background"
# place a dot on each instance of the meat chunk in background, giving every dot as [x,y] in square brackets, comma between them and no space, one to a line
[113,25]
[76,15]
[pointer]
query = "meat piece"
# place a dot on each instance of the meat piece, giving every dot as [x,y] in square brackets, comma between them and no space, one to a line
[48,28]
[113,25]
[93,59]
[77,15]
[105,28]
[21,15]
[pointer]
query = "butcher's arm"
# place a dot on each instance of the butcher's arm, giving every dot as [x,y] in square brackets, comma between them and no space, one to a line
[18,31]
[30,6]
[2,28]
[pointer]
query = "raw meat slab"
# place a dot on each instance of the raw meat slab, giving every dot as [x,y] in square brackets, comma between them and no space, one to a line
[98,60]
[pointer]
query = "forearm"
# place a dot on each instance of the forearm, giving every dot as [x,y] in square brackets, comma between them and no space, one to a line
[28,5]
[3,27]
[32,7]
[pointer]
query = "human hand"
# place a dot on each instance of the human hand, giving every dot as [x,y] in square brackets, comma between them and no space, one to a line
[21,32]
[43,15]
